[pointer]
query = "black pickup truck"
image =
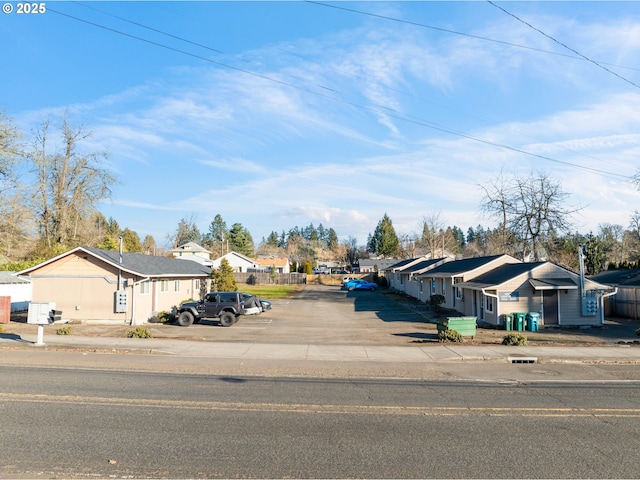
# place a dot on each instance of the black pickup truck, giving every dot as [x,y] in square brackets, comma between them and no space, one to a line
[225,306]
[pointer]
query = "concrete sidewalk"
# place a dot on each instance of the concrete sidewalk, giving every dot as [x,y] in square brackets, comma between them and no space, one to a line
[440,353]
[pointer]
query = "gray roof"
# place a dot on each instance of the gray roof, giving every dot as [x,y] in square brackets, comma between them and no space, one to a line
[138,264]
[7,278]
[402,263]
[151,266]
[501,274]
[460,266]
[421,265]
[623,277]
[382,263]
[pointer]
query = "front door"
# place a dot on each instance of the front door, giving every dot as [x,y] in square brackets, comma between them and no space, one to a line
[550,306]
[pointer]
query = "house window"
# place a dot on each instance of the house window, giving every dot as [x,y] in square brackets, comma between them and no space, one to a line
[176,285]
[420,286]
[444,288]
[164,286]
[433,287]
[144,287]
[457,290]
[489,304]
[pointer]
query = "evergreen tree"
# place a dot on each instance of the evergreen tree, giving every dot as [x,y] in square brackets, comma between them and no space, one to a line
[273,240]
[458,235]
[332,239]
[222,278]
[217,235]
[384,241]
[240,240]
[131,241]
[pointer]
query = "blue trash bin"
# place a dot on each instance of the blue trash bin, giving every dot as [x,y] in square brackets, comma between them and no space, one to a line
[533,318]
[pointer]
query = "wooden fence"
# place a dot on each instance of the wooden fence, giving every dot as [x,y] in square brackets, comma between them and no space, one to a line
[265,278]
[625,304]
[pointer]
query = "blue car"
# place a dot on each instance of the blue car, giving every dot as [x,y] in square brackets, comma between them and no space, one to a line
[360,285]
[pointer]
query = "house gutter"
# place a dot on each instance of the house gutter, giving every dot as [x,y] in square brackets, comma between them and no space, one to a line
[605,295]
[484,292]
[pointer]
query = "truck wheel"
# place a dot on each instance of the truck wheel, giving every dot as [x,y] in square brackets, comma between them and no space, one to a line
[185,319]
[227,319]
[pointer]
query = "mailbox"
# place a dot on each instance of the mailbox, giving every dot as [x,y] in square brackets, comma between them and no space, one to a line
[40,312]
[55,315]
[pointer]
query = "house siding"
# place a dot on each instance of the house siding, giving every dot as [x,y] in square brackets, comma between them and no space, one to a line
[448,290]
[93,284]
[569,305]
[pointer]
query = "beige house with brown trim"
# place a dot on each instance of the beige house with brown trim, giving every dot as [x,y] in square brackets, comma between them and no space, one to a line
[553,292]
[90,284]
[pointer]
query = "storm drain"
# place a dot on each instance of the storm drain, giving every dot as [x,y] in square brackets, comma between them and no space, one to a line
[521,359]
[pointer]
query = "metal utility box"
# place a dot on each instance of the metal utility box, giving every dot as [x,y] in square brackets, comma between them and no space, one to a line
[39,312]
[120,301]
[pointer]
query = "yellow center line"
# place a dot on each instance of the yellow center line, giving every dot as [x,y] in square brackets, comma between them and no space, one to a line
[324,408]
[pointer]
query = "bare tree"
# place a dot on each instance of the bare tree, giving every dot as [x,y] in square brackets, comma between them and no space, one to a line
[434,238]
[531,208]
[14,219]
[69,184]
[431,228]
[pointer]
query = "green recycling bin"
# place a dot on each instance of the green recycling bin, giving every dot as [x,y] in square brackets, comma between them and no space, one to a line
[519,319]
[533,318]
[507,319]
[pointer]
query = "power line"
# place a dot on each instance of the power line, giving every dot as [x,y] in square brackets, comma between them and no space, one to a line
[380,109]
[564,45]
[464,34]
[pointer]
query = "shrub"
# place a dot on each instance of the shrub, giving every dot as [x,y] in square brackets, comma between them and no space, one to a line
[63,331]
[435,301]
[450,336]
[139,332]
[514,339]
[166,317]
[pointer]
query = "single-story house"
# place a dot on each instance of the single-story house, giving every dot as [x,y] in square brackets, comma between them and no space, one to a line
[281,265]
[91,284]
[392,273]
[239,263]
[626,303]
[371,265]
[441,280]
[545,288]
[406,278]
[18,289]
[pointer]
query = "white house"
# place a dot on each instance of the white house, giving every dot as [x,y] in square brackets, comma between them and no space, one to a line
[239,263]
[17,288]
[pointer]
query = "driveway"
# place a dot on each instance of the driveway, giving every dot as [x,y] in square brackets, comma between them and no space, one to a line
[326,315]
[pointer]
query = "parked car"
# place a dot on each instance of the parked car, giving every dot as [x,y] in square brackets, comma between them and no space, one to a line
[227,307]
[360,284]
[254,305]
[348,279]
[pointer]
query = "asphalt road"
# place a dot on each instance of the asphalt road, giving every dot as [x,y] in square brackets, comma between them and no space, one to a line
[76,423]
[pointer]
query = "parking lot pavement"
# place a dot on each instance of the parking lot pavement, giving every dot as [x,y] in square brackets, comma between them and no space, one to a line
[326,324]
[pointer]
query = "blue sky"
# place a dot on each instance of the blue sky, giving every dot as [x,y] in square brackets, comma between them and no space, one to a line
[282,114]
